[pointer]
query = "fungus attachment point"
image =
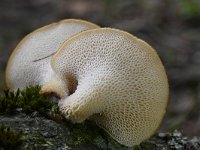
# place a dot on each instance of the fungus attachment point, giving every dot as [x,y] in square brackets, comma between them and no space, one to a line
[122,84]
[29,64]
[55,86]
[64,86]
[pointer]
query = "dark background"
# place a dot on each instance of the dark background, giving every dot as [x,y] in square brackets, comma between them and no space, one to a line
[172,27]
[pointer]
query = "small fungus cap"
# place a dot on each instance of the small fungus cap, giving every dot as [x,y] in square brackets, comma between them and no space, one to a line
[122,84]
[29,63]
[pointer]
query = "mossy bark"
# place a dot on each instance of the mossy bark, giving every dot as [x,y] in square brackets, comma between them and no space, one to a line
[44,128]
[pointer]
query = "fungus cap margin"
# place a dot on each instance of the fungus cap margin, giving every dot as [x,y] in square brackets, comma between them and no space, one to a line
[46,27]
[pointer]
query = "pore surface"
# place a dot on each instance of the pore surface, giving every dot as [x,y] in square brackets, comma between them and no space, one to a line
[29,62]
[122,84]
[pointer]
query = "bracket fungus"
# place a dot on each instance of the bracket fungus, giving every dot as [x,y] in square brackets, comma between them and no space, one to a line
[29,64]
[111,77]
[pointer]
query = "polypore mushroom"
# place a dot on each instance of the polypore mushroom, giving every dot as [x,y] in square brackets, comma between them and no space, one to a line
[29,64]
[121,83]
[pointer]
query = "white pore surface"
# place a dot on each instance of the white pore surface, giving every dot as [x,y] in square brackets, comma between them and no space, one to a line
[24,69]
[122,84]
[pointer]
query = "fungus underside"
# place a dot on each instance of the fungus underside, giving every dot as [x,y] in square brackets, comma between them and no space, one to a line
[44,57]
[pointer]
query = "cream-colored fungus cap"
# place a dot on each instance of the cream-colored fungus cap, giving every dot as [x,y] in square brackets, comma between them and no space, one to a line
[29,64]
[121,83]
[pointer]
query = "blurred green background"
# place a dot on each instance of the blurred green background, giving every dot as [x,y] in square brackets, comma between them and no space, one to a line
[172,27]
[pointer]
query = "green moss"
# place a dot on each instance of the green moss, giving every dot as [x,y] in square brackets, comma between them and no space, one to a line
[80,135]
[10,140]
[88,133]
[28,100]
[84,133]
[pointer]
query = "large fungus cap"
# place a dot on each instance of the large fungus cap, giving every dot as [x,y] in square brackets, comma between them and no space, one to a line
[29,63]
[121,83]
